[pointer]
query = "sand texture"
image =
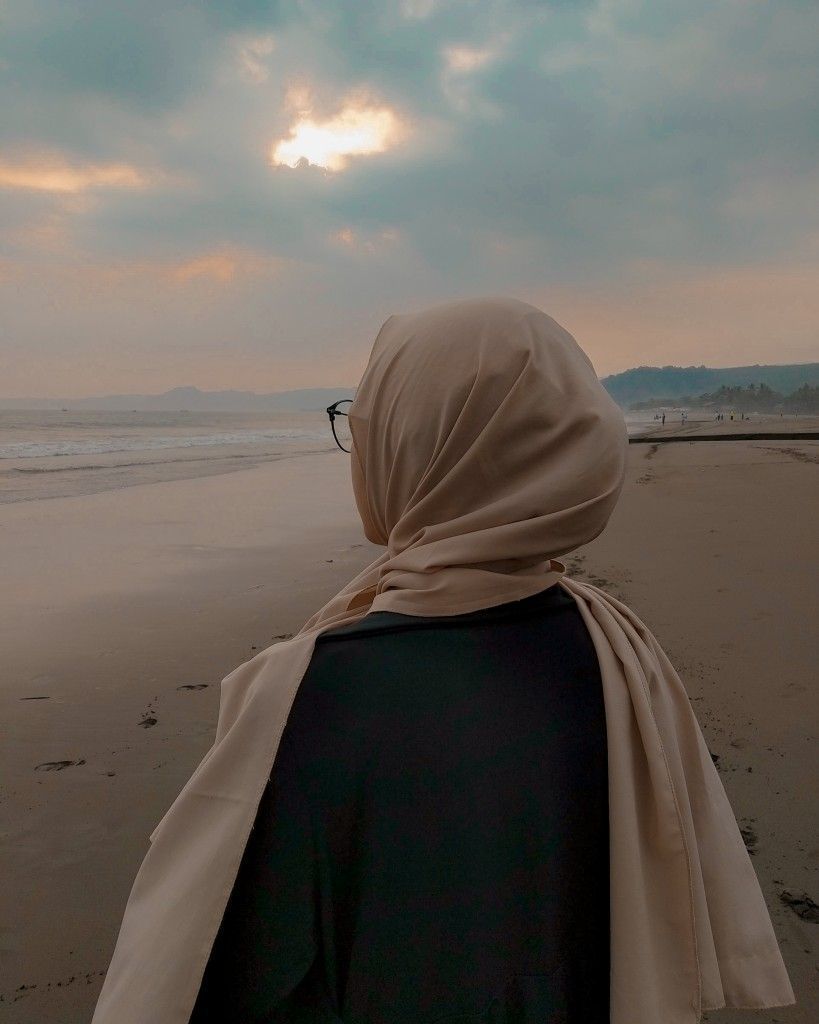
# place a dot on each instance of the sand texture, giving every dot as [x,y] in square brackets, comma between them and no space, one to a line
[122,610]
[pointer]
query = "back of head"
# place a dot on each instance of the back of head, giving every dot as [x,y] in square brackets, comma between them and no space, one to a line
[483,437]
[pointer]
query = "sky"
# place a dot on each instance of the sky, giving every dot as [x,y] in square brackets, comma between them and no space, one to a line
[237,193]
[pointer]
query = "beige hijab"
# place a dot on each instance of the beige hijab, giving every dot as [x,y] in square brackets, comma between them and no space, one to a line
[484,447]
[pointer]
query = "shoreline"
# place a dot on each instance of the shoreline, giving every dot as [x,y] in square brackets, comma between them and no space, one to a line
[49,477]
[41,479]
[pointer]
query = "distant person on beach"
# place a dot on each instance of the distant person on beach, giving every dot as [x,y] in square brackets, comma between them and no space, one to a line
[471,786]
[663,419]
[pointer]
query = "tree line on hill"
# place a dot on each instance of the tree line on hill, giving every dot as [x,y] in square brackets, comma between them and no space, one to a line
[753,398]
[672,383]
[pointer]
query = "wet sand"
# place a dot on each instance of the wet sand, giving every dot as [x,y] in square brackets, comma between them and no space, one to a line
[123,610]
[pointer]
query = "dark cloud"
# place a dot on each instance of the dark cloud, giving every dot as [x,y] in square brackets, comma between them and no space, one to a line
[126,52]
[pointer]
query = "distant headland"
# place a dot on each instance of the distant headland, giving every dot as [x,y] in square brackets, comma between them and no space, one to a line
[752,388]
[794,386]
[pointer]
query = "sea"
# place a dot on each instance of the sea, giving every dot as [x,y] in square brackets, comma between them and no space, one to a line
[63,453]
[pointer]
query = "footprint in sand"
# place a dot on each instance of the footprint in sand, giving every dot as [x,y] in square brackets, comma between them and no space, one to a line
[148,721]
[575,565]
[794,453]
[749,837]
[57,766]
[283,636]
[193,686]
[802,905]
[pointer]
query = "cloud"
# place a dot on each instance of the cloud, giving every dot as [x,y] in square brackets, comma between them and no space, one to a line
[106,47]
[450,147]
[54,174]
[466,58]
[224,265]
[217,266]
[417,8]
[253,52]
[366,243]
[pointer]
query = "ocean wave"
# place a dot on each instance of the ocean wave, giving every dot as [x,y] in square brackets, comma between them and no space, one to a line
[98,446]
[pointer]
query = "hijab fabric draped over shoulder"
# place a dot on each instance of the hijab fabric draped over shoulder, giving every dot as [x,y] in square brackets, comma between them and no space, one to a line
[484,448]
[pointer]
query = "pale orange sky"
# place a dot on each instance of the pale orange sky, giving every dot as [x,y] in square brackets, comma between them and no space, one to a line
[661,315]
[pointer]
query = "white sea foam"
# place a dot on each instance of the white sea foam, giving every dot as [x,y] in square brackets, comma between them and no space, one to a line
[31,434]
[39,449]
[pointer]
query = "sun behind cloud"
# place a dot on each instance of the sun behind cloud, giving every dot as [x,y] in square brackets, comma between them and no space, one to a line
[357,130]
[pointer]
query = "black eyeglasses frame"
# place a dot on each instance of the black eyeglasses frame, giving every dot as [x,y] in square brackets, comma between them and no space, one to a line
[332,412]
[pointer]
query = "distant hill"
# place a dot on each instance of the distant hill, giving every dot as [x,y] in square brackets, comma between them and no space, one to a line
[665,383]
[193,400]
[672,382]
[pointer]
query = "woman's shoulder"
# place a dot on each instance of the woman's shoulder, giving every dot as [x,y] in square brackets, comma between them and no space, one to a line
[553,600]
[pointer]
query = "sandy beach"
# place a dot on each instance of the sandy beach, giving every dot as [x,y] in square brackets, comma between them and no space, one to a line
[123,609]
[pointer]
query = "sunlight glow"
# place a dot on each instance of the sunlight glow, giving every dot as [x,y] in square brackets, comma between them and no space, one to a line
[57,176]
[355,131]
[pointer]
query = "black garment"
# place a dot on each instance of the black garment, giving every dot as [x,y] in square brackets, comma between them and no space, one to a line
[433,845]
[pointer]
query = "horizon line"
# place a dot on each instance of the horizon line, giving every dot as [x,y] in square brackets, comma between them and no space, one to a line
[340,387]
